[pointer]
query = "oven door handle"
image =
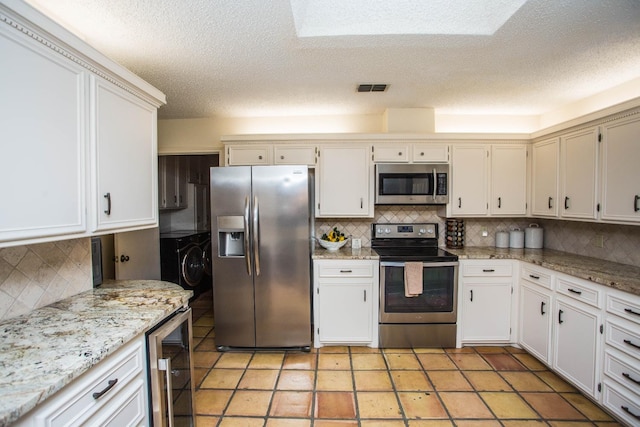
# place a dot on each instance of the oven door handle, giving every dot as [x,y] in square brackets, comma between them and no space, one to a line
[424,264]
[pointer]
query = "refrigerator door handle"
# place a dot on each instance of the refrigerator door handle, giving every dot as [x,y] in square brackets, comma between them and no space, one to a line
[256,235]
[247,246]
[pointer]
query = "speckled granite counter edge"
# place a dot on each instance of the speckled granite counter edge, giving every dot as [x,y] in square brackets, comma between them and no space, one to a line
[623,277]
[345,253]
[43,351]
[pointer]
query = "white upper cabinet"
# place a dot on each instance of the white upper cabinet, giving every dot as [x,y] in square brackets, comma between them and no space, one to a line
[620,170]
[391,153]
[249,155]
[43,111]
[508,180]
[469,182]
[124,159]
[294,155]
[344,183]
[405,152]
[544,183]
[430,153]
[578,172]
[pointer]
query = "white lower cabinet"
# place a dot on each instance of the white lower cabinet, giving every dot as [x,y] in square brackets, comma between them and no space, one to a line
[535,321]
[112,393]
[346,302]
[485,296]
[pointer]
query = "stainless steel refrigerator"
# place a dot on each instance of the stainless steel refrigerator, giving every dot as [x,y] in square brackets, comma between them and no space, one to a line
[260,219]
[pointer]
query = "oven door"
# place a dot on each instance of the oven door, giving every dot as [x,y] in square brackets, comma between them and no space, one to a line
[436,304]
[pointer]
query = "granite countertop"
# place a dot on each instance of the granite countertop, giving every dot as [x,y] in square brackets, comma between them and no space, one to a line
[344,253]
[624,277]
[45,350]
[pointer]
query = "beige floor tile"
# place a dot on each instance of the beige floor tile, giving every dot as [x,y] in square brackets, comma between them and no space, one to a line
[397,350]
[490,349]
[586,407]
[206,344]
[522,423]
[525,381]
[503,362]
[449,381]
[286,422]
[555,382]
[373,404]
[334,349]
[335,404]
[476,423]
[428,350]
[222,378]
[199,374]
[266,361]
[530,362]
[411,381]
[203,421]
[296,380]
[470,362]
[487,381]
[233,360]
[552,406]
[201,331]
[249,403]
[460,350]
[430,423]
[372,381]
[211,402]
[334,381]
[569,424]
[421,405]
[368,362]
[204,321]
[514,350]
[300,361]
[205,359]
[334,361]
[508,405]
[293,404]
[259,379]
[334,423]
[402,361]
[381,423]
[465,405]
[361,349]
[432,362]
[241,422]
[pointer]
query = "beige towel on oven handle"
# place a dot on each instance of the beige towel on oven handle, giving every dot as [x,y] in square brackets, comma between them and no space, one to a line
[412,279]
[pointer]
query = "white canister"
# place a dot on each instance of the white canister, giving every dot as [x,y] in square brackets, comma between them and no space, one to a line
[516,239]
[533,237]
[502,239]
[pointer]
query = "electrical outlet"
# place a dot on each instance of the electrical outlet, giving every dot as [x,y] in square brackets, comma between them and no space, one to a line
[356,243]
[598,241]
[485,233]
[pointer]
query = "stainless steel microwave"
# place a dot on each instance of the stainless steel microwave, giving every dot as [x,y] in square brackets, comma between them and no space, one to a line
[412,184]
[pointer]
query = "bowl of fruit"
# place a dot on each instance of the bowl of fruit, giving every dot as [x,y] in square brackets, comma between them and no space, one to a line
[333,240]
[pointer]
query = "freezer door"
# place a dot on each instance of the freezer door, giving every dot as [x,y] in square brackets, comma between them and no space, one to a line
[281,249]
[233,297]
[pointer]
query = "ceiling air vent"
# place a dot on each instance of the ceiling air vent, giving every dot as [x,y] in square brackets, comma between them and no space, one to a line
[372,88]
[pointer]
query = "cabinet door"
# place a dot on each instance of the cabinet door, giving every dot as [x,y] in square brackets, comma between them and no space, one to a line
[544,186]
[344,312]
[249,155]
[469,180]
[486,311]
[620,171]
[42,166]
[430,153]
[345,182]
[579,168]
[576,344]
[508,180]
[298,155]
[391,153]
[535,321]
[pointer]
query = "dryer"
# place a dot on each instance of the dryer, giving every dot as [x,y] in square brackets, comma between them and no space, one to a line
[182,260]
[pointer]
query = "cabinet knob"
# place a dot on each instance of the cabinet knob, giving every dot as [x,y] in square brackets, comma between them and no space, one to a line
[259,157]
[281,157]
[399,153]
[124,258]
[422,153]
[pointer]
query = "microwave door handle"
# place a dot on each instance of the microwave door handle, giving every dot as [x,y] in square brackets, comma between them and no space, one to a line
[435,184]
[247,246]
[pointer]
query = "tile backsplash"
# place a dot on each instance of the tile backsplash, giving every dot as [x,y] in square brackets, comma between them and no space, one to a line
[620,243]
[37,275]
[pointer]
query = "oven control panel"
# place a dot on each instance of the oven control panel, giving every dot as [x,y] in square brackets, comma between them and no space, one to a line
[406,231]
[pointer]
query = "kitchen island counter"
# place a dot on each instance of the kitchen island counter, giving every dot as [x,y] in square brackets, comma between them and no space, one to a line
[46,349]
[612,274]
[345,253]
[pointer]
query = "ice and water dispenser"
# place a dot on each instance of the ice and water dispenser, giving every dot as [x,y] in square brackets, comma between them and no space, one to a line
[231,236]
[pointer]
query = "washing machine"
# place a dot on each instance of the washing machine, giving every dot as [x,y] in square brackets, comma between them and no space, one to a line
[205,245]
[182,260]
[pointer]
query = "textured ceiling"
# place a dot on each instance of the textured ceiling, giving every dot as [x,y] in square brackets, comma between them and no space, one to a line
[235,58]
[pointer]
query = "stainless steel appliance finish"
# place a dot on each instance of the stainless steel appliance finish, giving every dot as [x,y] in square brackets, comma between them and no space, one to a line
[261,252]
[412,184]
[171,372]
[427,320]
[183,256]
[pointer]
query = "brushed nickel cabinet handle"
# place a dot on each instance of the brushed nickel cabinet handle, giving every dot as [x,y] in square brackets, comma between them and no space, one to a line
[110,385]
[108,197]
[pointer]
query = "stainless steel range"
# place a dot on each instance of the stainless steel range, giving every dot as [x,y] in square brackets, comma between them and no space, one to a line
[418,286]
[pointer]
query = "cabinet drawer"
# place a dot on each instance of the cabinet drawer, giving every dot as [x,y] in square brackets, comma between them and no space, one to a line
[624,337]
[623,307]
[622,403]
[624,370]
[294,155]
[253,155]
[578,290]
[391,153]
[430,153]
[537,276]
[487,270]
[345,270]
[127,409]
